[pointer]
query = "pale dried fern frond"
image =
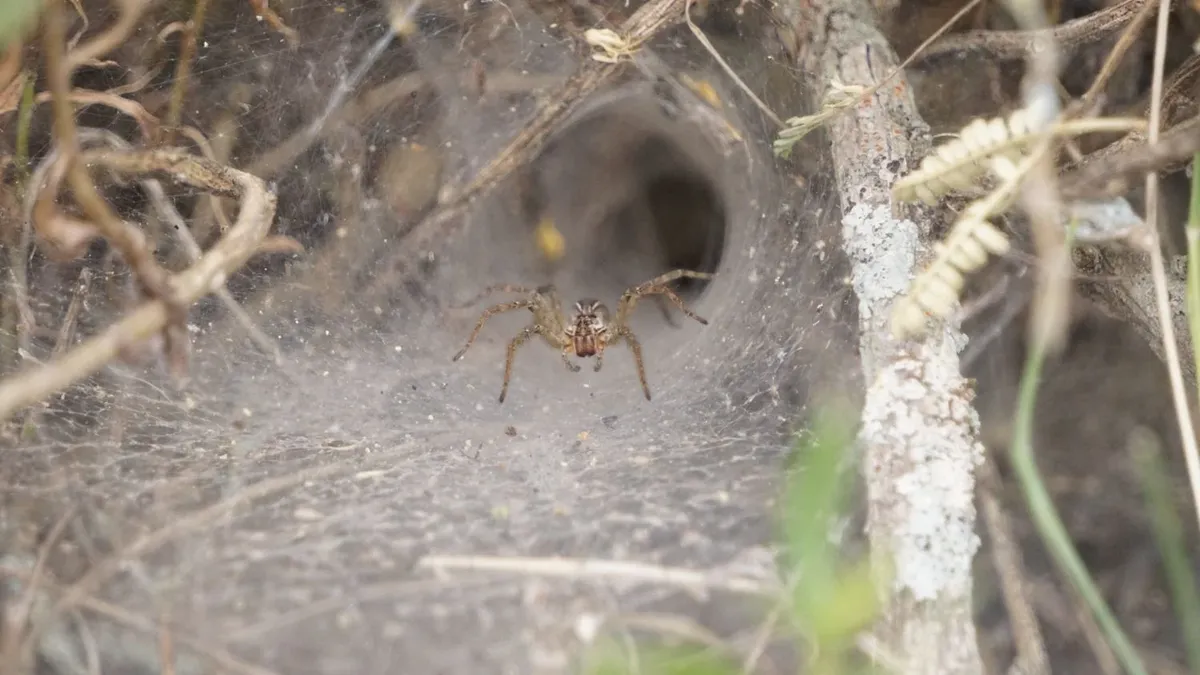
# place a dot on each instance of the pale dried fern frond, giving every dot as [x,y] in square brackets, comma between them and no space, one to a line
[935,291]
[958,165]
[1005,148]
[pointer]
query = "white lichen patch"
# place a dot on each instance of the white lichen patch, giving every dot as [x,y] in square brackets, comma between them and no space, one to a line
[919,409]
[881,250]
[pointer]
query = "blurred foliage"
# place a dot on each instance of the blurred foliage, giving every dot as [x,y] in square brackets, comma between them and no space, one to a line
[829,601]
[17,17]
[1050,526]
[832,601]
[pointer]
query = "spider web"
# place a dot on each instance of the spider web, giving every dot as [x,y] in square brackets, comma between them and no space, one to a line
[297,497]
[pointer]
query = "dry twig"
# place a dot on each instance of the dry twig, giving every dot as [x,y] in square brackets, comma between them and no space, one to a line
[77,595]
[621,570]
[1183,412]
[90,51]
[183,71]
[1039,194]
[219,656]
[1108,174]
[1009,45]
[162,205]
[1006,554]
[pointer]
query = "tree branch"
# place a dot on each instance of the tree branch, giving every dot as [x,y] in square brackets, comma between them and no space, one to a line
[920,432]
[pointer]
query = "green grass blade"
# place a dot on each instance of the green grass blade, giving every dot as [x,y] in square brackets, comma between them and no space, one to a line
[1046,517]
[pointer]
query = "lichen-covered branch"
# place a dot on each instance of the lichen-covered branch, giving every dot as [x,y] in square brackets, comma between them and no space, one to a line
[920,431]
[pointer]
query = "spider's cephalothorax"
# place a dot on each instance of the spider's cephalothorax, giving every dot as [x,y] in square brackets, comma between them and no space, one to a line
[585,334]
[589,329]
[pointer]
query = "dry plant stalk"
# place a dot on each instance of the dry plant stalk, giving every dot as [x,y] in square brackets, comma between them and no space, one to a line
[1015,589]
[1183,413]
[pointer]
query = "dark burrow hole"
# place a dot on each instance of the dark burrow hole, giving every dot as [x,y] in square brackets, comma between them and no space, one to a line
[637,186]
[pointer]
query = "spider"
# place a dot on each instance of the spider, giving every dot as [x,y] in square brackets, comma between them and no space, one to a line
[588,332]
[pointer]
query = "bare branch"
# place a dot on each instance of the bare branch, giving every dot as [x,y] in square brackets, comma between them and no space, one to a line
[1012,44]
[920,432]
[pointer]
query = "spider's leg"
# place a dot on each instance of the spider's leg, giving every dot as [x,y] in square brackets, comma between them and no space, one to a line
[636,348]
[657,286]
[494,288]
[487,314]
[667,278]
[679,303]
[599,362]
[566,357]
[512,353]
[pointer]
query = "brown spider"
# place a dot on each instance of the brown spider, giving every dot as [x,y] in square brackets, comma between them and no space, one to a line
[588,332]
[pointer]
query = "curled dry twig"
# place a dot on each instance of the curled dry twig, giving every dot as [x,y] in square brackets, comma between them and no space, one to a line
[209,272]
[166,211]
